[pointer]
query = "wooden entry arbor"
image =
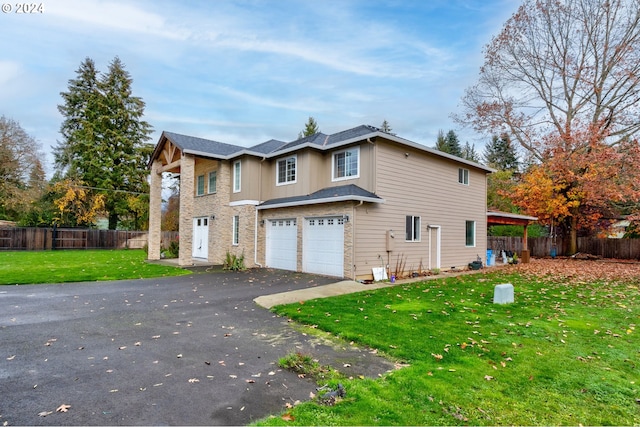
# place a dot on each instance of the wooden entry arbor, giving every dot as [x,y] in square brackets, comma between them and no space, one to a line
[506,218]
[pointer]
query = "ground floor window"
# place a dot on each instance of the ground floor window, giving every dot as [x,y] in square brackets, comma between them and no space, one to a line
[236,230]
[470,233]
[412,229]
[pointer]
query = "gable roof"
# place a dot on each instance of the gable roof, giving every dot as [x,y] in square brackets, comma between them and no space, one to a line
[326,195]
[274,148]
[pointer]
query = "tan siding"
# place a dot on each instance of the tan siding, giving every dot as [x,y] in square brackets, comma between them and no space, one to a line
[417,183]
[250,181]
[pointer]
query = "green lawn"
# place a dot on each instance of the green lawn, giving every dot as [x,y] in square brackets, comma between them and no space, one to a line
[562,354]
[79,266]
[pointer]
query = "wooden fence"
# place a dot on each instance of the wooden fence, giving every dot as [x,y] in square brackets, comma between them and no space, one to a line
[540,247]
[31,239]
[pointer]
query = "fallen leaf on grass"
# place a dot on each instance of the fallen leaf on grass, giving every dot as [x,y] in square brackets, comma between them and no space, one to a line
[63,408]
[288,417]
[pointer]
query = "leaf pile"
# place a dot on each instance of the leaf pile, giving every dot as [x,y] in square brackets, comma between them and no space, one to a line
[574,271]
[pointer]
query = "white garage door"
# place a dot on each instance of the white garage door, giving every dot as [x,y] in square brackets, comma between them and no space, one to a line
[323,246]
[282,244]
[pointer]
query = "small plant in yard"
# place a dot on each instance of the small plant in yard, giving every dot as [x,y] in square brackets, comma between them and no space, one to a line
[173,251]
[565,352]
[306,365]
[233,262]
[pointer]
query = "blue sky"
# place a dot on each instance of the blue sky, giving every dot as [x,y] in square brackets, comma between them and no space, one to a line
[243,72]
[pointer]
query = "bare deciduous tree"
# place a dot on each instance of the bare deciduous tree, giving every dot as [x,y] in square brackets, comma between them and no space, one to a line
[558,66]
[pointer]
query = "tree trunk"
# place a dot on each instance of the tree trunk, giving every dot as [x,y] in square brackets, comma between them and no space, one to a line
[573,234]
[113,220]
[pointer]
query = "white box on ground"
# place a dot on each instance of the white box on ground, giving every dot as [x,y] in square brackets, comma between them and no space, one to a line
[503,294]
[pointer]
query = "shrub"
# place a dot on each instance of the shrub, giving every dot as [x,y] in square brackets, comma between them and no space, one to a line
[233,262]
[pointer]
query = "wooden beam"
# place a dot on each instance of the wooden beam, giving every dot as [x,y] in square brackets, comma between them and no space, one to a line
[171,167]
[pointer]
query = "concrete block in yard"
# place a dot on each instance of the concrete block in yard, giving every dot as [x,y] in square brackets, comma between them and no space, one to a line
[503,294]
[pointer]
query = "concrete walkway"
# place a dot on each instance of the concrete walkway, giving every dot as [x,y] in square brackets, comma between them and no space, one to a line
[345,287]
[339,288]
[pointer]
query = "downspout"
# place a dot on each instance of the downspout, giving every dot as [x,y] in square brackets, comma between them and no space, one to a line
[353,238]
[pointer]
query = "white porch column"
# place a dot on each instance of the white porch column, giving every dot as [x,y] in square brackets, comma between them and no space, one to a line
[155,211]
[187,192]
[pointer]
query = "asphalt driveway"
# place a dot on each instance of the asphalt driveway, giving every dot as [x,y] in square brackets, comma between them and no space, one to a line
[190,350]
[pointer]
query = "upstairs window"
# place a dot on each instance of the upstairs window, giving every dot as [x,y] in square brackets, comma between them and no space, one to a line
[200,186]
[412,228]
[463,176]
[286,170]
[213,181]
[346,164]
[236,176]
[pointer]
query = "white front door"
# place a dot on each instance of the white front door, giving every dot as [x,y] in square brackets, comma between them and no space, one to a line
[201,237]
[282,244]
[323,246]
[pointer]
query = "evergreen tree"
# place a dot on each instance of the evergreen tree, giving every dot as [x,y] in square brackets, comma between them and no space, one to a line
[386,128]
[449,143]
[501,154]
[469,153]
[104,139]
[310,128]
[453,144]
[441,142]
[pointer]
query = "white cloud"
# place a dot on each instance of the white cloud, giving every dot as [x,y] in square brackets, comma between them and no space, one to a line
[9,70]
[116,16]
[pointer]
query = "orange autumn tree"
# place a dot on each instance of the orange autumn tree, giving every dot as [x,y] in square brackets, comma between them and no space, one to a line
[562,78]
[76,204]
[581,181]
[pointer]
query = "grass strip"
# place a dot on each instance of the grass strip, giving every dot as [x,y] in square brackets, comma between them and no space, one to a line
[563,353]
[17,268]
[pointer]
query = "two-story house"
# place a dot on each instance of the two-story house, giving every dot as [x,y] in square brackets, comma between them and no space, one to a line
[339,205]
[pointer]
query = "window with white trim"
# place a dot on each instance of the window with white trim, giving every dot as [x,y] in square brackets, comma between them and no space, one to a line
[286,170]
[237,174]
[200,186]
[412,228]
[470,233]
[463,176]
[213,181]
[346,164]
[236,230]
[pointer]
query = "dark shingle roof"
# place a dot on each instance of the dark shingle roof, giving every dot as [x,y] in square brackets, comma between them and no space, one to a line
[274,148]
[348,134]
[268,146]
[329,194]
[195,145]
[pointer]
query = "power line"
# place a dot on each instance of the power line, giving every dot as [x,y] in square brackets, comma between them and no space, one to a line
[108,189]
